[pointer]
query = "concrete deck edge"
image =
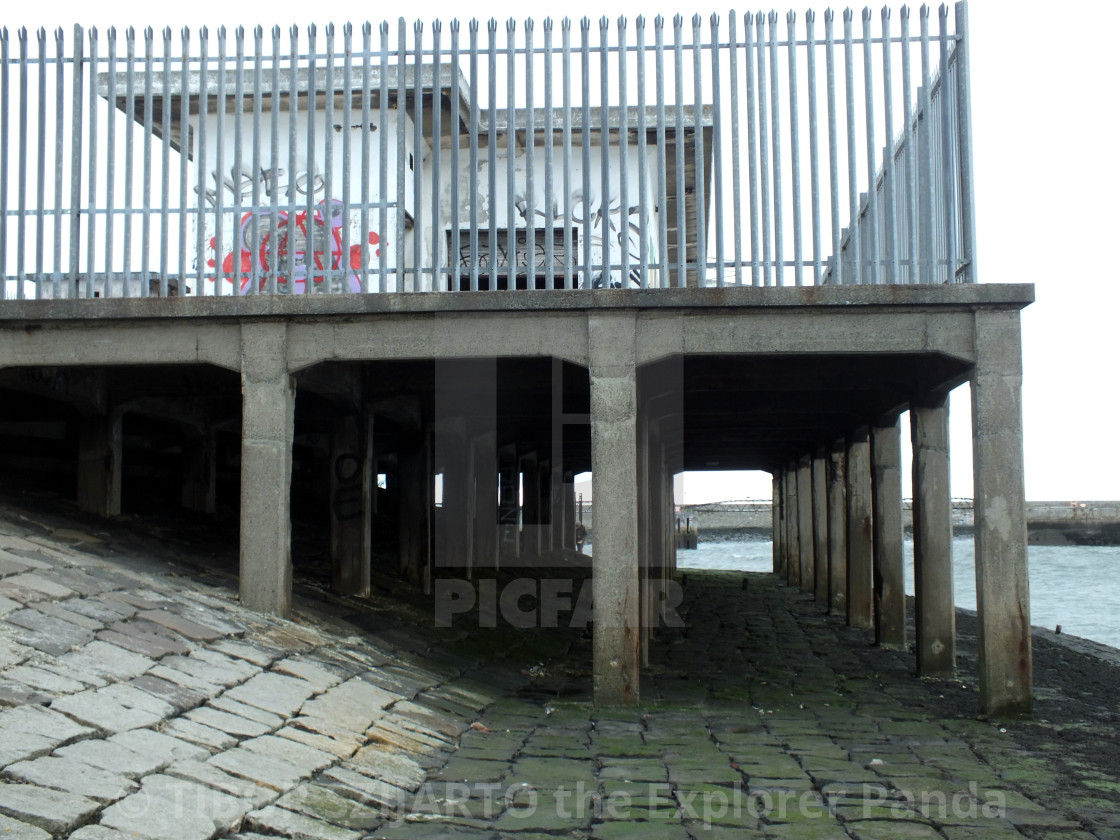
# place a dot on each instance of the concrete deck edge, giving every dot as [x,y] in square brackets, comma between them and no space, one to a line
[985,295]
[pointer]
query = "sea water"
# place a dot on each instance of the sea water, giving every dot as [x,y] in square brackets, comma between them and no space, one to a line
[1070,585]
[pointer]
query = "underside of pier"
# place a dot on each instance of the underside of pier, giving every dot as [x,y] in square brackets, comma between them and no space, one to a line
[442,434]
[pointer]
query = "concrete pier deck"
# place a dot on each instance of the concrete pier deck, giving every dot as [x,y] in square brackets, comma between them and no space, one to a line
[140,700]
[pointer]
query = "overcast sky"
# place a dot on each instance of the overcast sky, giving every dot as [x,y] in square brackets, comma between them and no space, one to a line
[1047,181]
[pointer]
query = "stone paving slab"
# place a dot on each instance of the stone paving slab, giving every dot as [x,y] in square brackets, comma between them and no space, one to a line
[72,776]
[17,830]
[51,810]
[276,693]
[170,807]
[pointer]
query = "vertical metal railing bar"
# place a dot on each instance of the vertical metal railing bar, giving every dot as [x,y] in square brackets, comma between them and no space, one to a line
[642,149]
[472,199]
[402,154]
[367,131]
[91,216]
[345,262]
[776,154]
[604,154]
[330,275]
[698,154]
[663,279]
[454,277]
[585,144]
[890,217]
[549,186]
[110,160]
[764,148]
[310,168]
[757,268]
[200,161]
[530,210]
[255,284]
[291,223]
[570,256]
[184,154]
[947,169]
[795,147]
[717,152]
[623,159]
[964,141]
[165,166]
[814,152]
[873,255]
[512,268]
[437,134]
[21,195]
[41,162]
[736,188]
[857,274]
[492,148]
[416,159]
[146,221]
[219,166]
[4,128]
[911,145]
[678,147]
[926,105]
[836,273]
[75,159]
[383,161]
[237,275]
[59,157]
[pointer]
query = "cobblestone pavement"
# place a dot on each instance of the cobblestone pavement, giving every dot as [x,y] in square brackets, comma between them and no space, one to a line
[138,699]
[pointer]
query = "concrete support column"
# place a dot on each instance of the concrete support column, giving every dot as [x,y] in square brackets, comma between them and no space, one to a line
[838,532]
[568,498]
[530,506]
[414,462]
[859,530]
[791,510]
[454,522]
[352,500]
[645,538]
[999,508]
[776,530]
[614,444]
[486,528]
[886,488]
[99,463]
[935,615]
[820,528]
[805,541]
[267,425]
[200,472]
[509,503]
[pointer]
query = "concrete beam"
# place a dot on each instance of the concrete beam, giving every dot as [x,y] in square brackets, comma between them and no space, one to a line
[614,442]
[886,488]
[838,532]
[1002,591]
[859,530]
[268,417]
[935,614]
[820,528]
[351,502]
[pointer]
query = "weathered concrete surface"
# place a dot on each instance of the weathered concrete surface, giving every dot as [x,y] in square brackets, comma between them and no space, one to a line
[860,542]
[935,618]
[886,489]
[614,452]
[1002,587]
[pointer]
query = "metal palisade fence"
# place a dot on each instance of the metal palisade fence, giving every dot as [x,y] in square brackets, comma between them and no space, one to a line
[749,150]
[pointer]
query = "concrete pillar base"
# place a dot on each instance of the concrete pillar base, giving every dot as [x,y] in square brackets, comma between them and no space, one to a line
[886,487]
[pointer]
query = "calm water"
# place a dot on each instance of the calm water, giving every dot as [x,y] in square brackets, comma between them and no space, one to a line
[1070,585]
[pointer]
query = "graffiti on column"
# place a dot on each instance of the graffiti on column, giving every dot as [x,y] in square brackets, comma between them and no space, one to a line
[299,247]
